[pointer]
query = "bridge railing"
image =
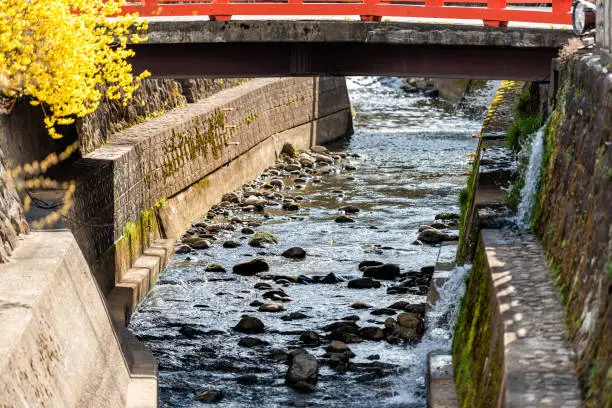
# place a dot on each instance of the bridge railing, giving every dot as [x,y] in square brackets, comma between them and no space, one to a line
[492,12]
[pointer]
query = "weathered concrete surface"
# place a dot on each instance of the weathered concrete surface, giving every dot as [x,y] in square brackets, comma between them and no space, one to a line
[321,31]
[58,347]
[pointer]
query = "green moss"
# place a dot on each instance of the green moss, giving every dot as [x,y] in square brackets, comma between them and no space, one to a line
[609,270]
[522,127]
[477,354]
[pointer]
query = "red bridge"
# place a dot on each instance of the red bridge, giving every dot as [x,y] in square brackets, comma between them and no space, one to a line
[492,12]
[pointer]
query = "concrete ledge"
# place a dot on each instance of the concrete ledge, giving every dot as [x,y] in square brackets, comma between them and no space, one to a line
[58,347]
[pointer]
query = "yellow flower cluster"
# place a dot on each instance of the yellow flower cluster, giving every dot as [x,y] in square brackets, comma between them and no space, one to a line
[63,53]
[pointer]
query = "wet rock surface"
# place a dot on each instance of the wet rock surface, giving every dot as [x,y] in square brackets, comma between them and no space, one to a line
[322,345]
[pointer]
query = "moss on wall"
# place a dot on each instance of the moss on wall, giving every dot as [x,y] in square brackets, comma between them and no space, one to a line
[573,220]
[478,349]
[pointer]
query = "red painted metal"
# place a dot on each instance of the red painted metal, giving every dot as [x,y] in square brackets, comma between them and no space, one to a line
[491,12]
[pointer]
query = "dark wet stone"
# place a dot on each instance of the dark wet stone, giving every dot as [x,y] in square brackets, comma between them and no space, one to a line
[429,270]
[337,325]
[272,308]
[249,324]
[232,244]
[367,264]
[247,231]
[248,379]
[291,206]
[384,272]
[363,283]
[210,396]
[252,342]
[395,290]
[371,333]
[398,305]
[190,332]
[304,280]
[215,268]
[295,253]
[361,305]
[331,278]
[432,236]
[383,311]
[310,338]
[256,303]
[343,219]
[278,355]
[251,267]
[303,372]
[294,316]
[351,318]
[373,357]
[262,286]
[418,308]
[275,292]
[447,216]
[349,209]
[182,249]
[350,167]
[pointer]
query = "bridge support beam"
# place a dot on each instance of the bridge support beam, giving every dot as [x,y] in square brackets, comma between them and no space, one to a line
[262,59]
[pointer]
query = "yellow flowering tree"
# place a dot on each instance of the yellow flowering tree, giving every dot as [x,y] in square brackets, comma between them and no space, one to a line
[66,54]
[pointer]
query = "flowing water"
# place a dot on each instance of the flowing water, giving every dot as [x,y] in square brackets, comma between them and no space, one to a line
[410,158]
[532,181]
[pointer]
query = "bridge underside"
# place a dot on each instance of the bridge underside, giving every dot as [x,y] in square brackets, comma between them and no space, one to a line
[259,59]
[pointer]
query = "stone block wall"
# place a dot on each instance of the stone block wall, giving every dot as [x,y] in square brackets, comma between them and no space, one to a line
[121,182]
[153,98]
[574,217]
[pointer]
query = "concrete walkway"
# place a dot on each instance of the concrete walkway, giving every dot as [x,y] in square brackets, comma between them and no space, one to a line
[539,371]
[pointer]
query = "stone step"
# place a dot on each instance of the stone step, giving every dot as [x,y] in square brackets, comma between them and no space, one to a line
[138,280]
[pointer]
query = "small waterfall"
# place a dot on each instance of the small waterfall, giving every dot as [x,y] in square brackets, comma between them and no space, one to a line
[532,181]
[441,318]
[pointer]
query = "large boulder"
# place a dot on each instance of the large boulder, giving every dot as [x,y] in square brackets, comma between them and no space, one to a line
[303,372]
[249,324]
[262,237]
[251,267]
[384,272]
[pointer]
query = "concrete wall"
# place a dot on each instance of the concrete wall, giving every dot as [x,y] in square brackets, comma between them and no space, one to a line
[120,185]
[58,347]
[573,217]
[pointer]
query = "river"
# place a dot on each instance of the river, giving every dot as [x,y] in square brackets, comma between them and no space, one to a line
[409,155]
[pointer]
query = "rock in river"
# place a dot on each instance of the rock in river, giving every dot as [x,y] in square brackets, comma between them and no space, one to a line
[363,283]
[272,307]
[249,324]
[432,236]
[210,396]
[367,264]
[295,253]
[249,342]
[232,243]
[215,268]
[262,237]
[343,219]
[310,338]
[303,372]
[251,267]
[349,209]
[385,272]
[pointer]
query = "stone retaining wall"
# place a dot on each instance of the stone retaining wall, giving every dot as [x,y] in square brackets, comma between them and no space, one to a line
[573,218]
[12,220]
[122,185]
